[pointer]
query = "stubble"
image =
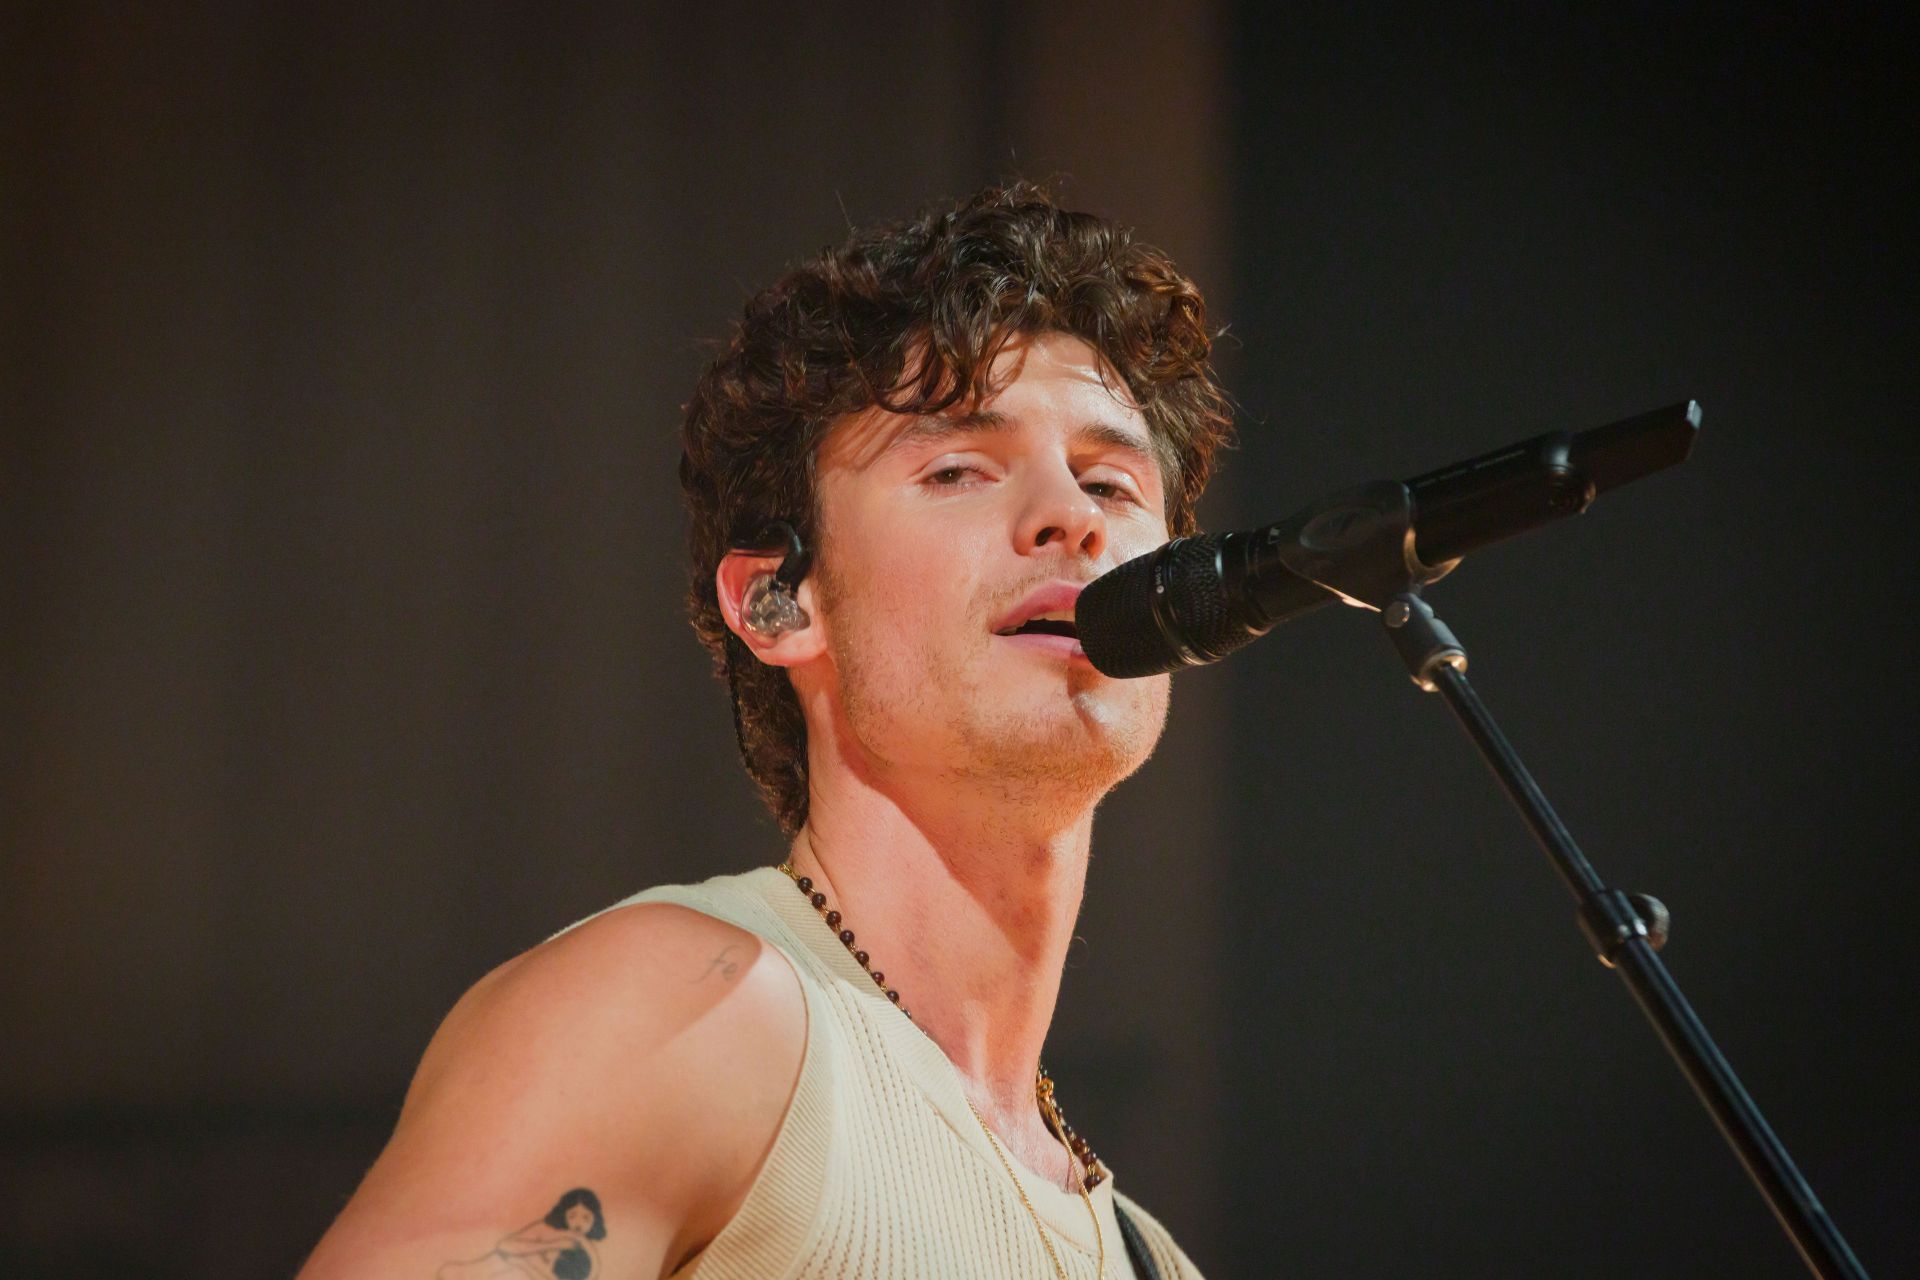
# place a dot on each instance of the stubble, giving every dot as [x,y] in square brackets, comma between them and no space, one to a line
[934,706]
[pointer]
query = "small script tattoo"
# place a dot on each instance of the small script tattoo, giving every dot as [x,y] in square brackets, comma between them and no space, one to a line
[560,1246]
[728,968]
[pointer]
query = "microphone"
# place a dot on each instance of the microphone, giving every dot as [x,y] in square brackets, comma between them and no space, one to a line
[1195,600]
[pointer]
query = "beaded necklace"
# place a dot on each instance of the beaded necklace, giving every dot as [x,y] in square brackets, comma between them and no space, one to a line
[1077,1148]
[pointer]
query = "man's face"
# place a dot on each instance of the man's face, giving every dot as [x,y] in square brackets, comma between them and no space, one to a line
[940,535]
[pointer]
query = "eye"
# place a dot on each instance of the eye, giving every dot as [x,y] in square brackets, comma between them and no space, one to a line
[951,476]
[1109,491]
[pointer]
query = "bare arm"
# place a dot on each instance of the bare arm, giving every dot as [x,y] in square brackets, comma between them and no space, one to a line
[648,1055]
[535,1237]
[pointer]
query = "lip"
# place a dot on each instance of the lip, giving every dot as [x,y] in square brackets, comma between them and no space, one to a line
[1048,646]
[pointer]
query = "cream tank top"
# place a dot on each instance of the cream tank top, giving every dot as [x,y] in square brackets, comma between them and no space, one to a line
[880,1170]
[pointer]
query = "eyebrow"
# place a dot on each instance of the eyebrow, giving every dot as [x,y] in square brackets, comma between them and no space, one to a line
[932,428]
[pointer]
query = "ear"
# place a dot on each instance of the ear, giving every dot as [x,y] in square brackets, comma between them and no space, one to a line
[730,579]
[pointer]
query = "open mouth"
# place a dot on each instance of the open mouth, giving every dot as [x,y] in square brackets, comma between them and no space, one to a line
[1042,627]
[1045,614]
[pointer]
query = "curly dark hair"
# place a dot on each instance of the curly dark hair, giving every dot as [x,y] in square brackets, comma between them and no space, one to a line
[909,317]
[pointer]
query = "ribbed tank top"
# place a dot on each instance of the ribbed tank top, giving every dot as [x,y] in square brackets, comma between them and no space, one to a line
[880,1171]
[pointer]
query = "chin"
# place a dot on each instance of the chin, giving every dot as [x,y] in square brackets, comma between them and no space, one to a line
[1124,724]
[1101,735]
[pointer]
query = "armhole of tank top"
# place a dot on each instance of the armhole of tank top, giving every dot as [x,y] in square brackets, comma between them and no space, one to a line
[1162,1249]
[783,1175]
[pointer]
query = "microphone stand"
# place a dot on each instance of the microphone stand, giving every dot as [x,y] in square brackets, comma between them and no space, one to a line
[1370,561]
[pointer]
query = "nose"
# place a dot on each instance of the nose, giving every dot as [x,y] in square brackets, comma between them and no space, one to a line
[1059,515]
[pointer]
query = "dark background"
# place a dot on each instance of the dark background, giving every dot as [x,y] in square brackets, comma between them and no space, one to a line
[343,655]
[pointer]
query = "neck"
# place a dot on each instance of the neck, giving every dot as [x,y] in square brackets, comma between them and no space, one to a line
[967,906]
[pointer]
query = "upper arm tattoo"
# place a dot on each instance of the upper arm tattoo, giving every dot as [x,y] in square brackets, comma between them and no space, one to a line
[560,1246]
[729,969]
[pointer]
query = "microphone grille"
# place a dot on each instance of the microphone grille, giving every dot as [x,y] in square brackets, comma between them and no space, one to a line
[1114,620]
[1164,610]
[1196,599]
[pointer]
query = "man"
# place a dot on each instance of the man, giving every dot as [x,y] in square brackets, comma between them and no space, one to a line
[912,455]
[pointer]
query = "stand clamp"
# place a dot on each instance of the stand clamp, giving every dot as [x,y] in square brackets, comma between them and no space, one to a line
[1611,919]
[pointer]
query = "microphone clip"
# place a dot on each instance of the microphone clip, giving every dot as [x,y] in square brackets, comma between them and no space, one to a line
[1358,545]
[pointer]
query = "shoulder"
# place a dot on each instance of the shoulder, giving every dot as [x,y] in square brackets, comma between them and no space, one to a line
[650,1029]
[652,959]
[644,1059]
[639,993]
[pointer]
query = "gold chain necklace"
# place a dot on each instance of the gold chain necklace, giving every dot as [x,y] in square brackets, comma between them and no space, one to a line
[1076,1146]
